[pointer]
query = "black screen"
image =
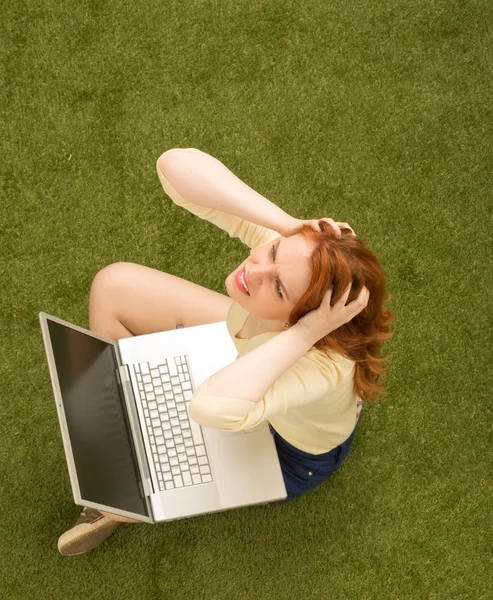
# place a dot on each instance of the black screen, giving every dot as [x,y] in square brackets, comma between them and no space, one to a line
[97,420]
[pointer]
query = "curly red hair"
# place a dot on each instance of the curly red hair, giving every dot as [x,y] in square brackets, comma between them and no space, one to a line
[337,261]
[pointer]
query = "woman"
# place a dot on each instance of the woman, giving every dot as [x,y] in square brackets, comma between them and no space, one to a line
[305,311]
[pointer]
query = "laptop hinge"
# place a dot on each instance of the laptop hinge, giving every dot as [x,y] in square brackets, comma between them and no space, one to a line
[126,383]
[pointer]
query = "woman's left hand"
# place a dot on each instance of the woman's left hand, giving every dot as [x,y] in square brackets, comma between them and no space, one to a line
[336,226]
[326,318]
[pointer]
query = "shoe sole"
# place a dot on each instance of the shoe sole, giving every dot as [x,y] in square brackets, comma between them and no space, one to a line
[86,536]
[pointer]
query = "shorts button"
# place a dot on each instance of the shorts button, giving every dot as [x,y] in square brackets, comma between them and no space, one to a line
[310,473]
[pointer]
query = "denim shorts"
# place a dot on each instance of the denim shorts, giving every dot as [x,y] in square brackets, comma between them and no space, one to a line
[302,471]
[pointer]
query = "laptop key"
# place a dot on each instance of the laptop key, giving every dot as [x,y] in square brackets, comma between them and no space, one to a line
[172,367]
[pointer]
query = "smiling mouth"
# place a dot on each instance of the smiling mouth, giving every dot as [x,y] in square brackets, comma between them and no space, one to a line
[246,280]
[241,282]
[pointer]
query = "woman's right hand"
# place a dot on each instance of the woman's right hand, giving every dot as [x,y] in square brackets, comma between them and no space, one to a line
[326,318]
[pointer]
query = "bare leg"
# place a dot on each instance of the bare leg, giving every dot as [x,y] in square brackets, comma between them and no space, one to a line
[128,299]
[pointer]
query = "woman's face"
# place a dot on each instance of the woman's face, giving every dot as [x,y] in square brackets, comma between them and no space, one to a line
[289,275]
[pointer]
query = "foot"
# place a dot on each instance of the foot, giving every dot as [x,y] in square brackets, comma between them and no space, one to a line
[90,530]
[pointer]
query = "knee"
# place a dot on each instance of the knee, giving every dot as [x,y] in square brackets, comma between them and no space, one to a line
[110,277]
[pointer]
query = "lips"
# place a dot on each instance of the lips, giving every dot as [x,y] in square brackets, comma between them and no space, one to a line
[246,279]
[238,281]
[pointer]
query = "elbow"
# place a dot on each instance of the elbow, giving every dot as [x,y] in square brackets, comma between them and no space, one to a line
[197,413]
[166,160]
[169,158]
[202,414]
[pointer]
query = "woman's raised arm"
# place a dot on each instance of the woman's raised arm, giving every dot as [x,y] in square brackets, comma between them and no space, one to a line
[204,180]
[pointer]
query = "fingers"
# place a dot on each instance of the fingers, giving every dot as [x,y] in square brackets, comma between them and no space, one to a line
[337,226]
[347,291]
[360,302]
[345,226]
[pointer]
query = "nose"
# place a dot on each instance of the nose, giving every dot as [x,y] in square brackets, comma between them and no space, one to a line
[257,272]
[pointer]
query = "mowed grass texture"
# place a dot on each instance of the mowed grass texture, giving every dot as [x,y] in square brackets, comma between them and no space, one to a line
[378,114]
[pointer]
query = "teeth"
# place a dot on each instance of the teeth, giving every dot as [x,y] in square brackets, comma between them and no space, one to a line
[242,279]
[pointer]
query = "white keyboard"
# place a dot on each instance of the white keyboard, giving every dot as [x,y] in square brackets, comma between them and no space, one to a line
[178,449]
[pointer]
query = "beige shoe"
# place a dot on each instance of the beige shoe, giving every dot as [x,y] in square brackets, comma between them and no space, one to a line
[91,529]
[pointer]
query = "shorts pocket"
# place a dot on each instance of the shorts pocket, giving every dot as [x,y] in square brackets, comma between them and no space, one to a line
[304,473]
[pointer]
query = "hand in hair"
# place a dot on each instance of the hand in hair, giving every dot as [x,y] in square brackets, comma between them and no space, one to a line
[314,224]
[326,318]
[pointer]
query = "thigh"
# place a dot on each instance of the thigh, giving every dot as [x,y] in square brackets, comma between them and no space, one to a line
[146,300]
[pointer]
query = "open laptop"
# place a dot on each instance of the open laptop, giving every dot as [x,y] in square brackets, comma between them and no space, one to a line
[132,448]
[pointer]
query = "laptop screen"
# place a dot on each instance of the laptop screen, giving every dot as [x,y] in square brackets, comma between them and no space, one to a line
[102,445]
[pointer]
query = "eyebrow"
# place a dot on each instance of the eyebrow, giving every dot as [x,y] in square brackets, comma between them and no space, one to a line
[281,283]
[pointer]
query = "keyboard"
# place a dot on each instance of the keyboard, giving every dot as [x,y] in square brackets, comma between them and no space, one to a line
[178,450]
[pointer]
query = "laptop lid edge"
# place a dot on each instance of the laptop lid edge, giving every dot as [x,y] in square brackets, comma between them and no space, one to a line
[43,317]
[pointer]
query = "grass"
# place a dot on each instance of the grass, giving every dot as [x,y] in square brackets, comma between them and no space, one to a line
[373,113]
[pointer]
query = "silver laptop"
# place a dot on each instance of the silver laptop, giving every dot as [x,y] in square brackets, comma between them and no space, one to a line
[131,446]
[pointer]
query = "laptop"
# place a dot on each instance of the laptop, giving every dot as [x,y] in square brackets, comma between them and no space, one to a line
[131,446]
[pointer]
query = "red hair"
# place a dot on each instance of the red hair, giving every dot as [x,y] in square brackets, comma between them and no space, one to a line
[336,261]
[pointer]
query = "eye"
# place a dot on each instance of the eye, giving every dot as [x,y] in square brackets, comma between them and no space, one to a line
[273,260]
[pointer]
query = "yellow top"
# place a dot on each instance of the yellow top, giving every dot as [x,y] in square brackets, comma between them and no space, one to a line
[312,405]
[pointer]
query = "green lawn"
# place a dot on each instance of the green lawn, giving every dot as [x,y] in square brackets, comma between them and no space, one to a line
[374,113]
